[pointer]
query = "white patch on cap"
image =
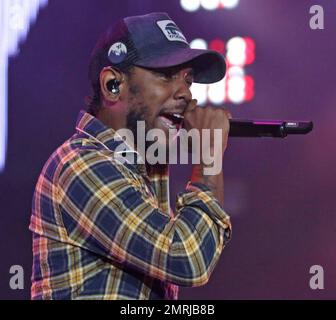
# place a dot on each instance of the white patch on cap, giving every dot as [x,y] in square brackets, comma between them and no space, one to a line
[117,52]
[171,31]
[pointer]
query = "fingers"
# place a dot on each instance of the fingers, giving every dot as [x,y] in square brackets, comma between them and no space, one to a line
[193,105]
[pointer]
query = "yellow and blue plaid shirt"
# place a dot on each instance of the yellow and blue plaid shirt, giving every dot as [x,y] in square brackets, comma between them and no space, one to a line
[103,228]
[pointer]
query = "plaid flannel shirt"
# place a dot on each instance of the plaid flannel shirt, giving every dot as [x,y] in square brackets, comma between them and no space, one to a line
[103,229]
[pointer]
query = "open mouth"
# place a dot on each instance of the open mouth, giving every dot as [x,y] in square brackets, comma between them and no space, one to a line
[171,120]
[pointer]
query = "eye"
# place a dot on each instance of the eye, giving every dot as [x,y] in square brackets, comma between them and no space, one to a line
[189,80]
[169,75]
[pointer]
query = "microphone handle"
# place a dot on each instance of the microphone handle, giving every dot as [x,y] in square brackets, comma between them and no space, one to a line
[264,128]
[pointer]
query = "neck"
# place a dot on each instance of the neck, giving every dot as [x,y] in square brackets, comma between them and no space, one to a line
[113,117]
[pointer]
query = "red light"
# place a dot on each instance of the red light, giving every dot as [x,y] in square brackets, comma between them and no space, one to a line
[250,50]
[242,87]
[226,89]
[249,88]
[250,44]
[218,45]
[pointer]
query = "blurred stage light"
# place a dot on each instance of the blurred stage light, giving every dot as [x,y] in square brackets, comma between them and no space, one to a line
[249,88]
[210,4]
[218,45]
[194,5]
[236,51]
[237,87]
[216,92]
[16,16]
[235,71]
[198,44]
[229,4]
[200,93]
[250,50]
[190,5]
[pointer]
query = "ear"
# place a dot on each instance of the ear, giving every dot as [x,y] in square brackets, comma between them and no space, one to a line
[106,75]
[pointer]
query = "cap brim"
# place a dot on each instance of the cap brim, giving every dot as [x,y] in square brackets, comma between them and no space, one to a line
[208,66]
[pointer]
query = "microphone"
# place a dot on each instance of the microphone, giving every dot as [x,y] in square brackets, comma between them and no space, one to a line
[268,128]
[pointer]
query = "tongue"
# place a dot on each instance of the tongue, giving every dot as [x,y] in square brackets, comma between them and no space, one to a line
[163,118]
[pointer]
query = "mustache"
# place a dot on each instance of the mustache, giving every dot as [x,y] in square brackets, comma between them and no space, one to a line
[179,108]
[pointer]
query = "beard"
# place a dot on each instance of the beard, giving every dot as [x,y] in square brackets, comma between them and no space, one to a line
[133,116]
[138,111]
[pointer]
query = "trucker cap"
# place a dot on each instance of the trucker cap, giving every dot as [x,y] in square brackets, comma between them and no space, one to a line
[153,41]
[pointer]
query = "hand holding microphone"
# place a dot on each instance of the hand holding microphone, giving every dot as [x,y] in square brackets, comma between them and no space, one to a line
[251,128]
[208,118]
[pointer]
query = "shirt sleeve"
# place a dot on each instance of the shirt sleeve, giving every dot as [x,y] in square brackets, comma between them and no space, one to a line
[106,209]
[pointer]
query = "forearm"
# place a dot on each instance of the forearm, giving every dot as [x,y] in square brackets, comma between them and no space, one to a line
[214,182]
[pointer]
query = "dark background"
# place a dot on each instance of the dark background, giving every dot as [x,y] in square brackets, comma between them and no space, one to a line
[279,193]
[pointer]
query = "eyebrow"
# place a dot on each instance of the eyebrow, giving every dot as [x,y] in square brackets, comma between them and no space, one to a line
[173,70]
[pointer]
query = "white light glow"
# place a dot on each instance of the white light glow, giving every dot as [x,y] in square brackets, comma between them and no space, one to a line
[210,4]
[216,92]
[190,5]
[236,51]
[199,92]
[230,4]
[16,16]
[236,89]
[198,44]
[235,71]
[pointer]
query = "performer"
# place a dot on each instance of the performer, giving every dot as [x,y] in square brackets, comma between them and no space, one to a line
[102,227]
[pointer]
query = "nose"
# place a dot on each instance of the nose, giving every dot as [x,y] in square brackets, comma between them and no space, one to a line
[182,87]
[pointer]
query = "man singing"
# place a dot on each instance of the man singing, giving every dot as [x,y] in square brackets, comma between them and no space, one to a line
[102,225]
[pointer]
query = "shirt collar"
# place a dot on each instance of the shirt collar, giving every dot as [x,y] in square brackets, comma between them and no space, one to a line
[109,139]
[94,128]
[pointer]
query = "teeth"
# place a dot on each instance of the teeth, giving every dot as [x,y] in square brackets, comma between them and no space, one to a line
[177,115]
